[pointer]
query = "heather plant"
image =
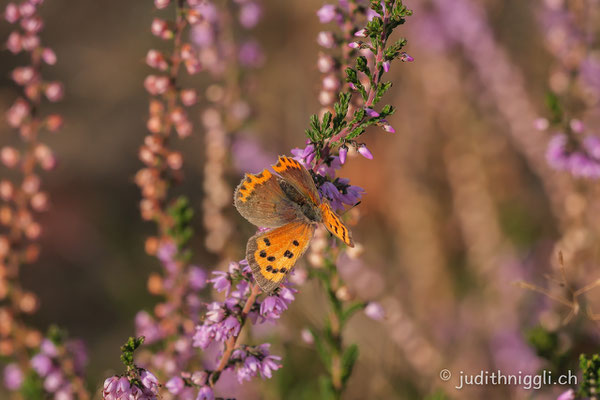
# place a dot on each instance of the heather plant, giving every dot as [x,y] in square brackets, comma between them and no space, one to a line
[39,365]
[476,193]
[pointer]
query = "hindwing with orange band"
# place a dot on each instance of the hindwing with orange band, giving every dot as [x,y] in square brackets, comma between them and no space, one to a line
[272,254]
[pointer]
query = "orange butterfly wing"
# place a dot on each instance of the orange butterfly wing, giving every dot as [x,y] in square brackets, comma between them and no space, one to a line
[272,254]
[261,201]
[294,173]
[334,224]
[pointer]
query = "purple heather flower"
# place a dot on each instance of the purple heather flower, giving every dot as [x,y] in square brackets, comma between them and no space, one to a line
[166,254]
[197,278]
[42,364]
[230,327]
[13,377]
[375,311]
[205,393]
[221,281]
[326,39]
[329,167]
[199,378]
[386,66]
[556,153]
[251,54]
[406,58]
[53,381]
[327,13]
[568,395]
[147,327]
[272,307]
[304,156]
[215,312]
[387,127]
[48,348]
[364,151]
[361,33]
[577,125]
[371,113]
[286,294]
[307,336]
[149,381]
[342,154]
[204,335]
[541,124]
[249,15]
[175,385]
[354,45]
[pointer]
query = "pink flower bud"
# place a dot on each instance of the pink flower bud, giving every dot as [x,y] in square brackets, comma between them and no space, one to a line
[576,125]
[406,58]
[160,4]
[175,160]
[156,84]
[307,336]
[13,43]
[371,113]
[23,75]
[375,311]
[327,13]
[178,115]
[193,16]
[30,42]
[44,155]
[27,9]
[154,124]
[17,113]
[161,29]
[33,231]
[155,59]
[54,122]
[325,63]
[193,66]
[354,45]
[362,149]
[11,13]
[31,184]
[326,98]
[184,129]
[33,24]
[541,124]
[49,56]
[342,154]
[331,82]
[39,202]
[32,91]
[146,156]
[326,39]
[9,156]
[386,66]
[7,190]
[388,128]
[187,52]
[54,91]
[361,33]
[188,97]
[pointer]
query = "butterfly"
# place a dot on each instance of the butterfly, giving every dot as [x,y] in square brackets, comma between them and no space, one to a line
[287,202]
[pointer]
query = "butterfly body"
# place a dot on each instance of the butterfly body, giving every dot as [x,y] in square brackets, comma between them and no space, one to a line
[290,204]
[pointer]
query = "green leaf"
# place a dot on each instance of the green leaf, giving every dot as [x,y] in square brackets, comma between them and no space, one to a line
[353,308]
[348,360]
[326,121]
[32,387]
[351,75]
[381,89]
[326,388]
[362,65]
[322,349]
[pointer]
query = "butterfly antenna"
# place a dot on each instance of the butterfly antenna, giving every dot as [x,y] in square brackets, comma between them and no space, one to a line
[351,207]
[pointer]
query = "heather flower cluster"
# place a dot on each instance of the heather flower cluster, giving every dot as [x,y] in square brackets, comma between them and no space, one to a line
[569,35]
[228,54]
[49,367]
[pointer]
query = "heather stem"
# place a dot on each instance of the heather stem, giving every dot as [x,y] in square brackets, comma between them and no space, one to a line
[231,343]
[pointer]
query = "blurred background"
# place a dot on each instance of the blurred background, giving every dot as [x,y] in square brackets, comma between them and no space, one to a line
[459,205]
